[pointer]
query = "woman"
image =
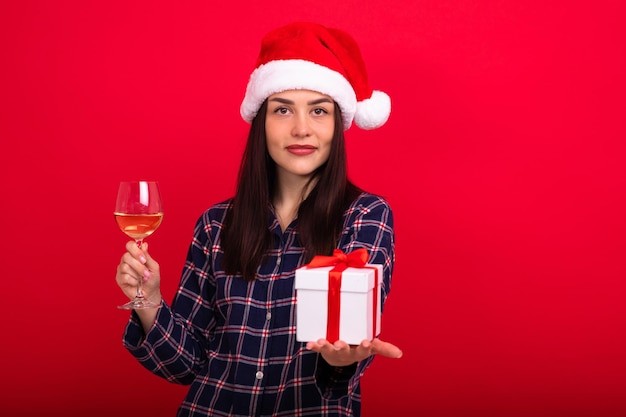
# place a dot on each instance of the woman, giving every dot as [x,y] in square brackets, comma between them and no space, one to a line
[230,331]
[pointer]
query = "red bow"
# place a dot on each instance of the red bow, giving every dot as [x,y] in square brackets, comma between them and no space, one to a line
[356,259]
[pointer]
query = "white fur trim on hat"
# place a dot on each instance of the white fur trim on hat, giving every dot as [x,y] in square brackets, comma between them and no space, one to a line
[296,74]
[374,111]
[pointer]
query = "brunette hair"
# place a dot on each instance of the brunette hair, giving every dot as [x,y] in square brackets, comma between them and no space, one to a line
[245,234]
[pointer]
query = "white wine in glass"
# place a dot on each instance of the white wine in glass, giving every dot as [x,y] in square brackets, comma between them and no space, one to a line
[138,212]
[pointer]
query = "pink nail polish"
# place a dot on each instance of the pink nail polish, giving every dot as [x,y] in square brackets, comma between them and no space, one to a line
[146,274]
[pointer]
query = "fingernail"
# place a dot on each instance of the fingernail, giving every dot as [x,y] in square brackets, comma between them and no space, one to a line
[146,274]
[142,259]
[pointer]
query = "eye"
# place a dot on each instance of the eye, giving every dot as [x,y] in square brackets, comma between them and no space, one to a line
[320,111]
[281,110]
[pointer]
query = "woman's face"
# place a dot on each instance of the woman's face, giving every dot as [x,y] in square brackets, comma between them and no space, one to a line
[299,127]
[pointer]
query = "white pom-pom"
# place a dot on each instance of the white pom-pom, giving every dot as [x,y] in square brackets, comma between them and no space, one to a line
[373,112]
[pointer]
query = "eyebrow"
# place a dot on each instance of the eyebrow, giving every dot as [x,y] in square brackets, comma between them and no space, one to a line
[312,102]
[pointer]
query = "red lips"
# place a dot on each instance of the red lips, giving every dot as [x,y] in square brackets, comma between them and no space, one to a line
[301,150]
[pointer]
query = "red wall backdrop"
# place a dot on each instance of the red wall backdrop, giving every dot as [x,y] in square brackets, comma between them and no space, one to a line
[503,160]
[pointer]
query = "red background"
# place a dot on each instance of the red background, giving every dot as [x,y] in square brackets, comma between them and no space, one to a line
[503,160]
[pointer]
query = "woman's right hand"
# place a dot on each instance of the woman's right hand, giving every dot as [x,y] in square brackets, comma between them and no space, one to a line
[137,264]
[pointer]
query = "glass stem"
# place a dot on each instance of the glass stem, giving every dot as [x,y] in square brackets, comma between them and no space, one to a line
[139,282]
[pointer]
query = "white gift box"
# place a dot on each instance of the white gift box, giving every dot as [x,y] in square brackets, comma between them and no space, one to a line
[359,303]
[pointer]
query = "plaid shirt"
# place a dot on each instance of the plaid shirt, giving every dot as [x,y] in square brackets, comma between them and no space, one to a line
[235,341]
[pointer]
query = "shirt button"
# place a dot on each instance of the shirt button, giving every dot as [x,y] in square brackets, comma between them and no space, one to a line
[259,375]
[278,261]
[268,315]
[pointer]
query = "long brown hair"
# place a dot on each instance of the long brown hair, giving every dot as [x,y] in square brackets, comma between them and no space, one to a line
[246,237]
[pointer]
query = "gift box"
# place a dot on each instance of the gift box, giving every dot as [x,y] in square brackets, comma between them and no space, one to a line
[338,297]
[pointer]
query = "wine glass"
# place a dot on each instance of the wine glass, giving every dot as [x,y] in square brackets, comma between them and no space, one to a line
[138,212]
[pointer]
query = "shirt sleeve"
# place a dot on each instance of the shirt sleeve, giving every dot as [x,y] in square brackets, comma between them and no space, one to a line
[368,225]
[174,347]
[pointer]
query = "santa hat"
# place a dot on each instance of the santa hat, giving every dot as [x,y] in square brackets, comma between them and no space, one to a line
[308,56]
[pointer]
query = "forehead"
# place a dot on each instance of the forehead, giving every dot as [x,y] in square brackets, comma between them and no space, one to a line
[300,95]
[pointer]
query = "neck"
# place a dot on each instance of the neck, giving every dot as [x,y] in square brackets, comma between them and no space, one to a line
[290,192]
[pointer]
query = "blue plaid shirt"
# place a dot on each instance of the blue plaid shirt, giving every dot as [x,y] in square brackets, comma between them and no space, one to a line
[235,341]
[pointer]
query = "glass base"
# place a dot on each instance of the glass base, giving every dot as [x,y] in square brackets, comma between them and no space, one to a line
[138,304]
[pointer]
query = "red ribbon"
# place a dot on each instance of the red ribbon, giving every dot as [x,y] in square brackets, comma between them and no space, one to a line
[341,262]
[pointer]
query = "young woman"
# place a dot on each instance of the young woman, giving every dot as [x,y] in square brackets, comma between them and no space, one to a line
[230,331]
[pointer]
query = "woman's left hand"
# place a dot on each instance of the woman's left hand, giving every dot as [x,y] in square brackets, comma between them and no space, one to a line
[342,354]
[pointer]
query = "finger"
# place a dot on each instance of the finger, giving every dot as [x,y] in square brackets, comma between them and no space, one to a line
[135,251]
[134,263]
[359,353]
[314,346]
[340,346]
[339,352]
[133,267]
[320,345]
[324,346]
[150,262]
[385,349]
[125,269]
[127,281]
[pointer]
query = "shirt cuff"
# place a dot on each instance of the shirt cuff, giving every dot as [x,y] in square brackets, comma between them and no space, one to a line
[135,339]
[334,381]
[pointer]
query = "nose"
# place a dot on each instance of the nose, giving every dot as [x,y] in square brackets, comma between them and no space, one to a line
[301,128]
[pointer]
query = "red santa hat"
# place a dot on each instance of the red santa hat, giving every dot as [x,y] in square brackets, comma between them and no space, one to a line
[309,56]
